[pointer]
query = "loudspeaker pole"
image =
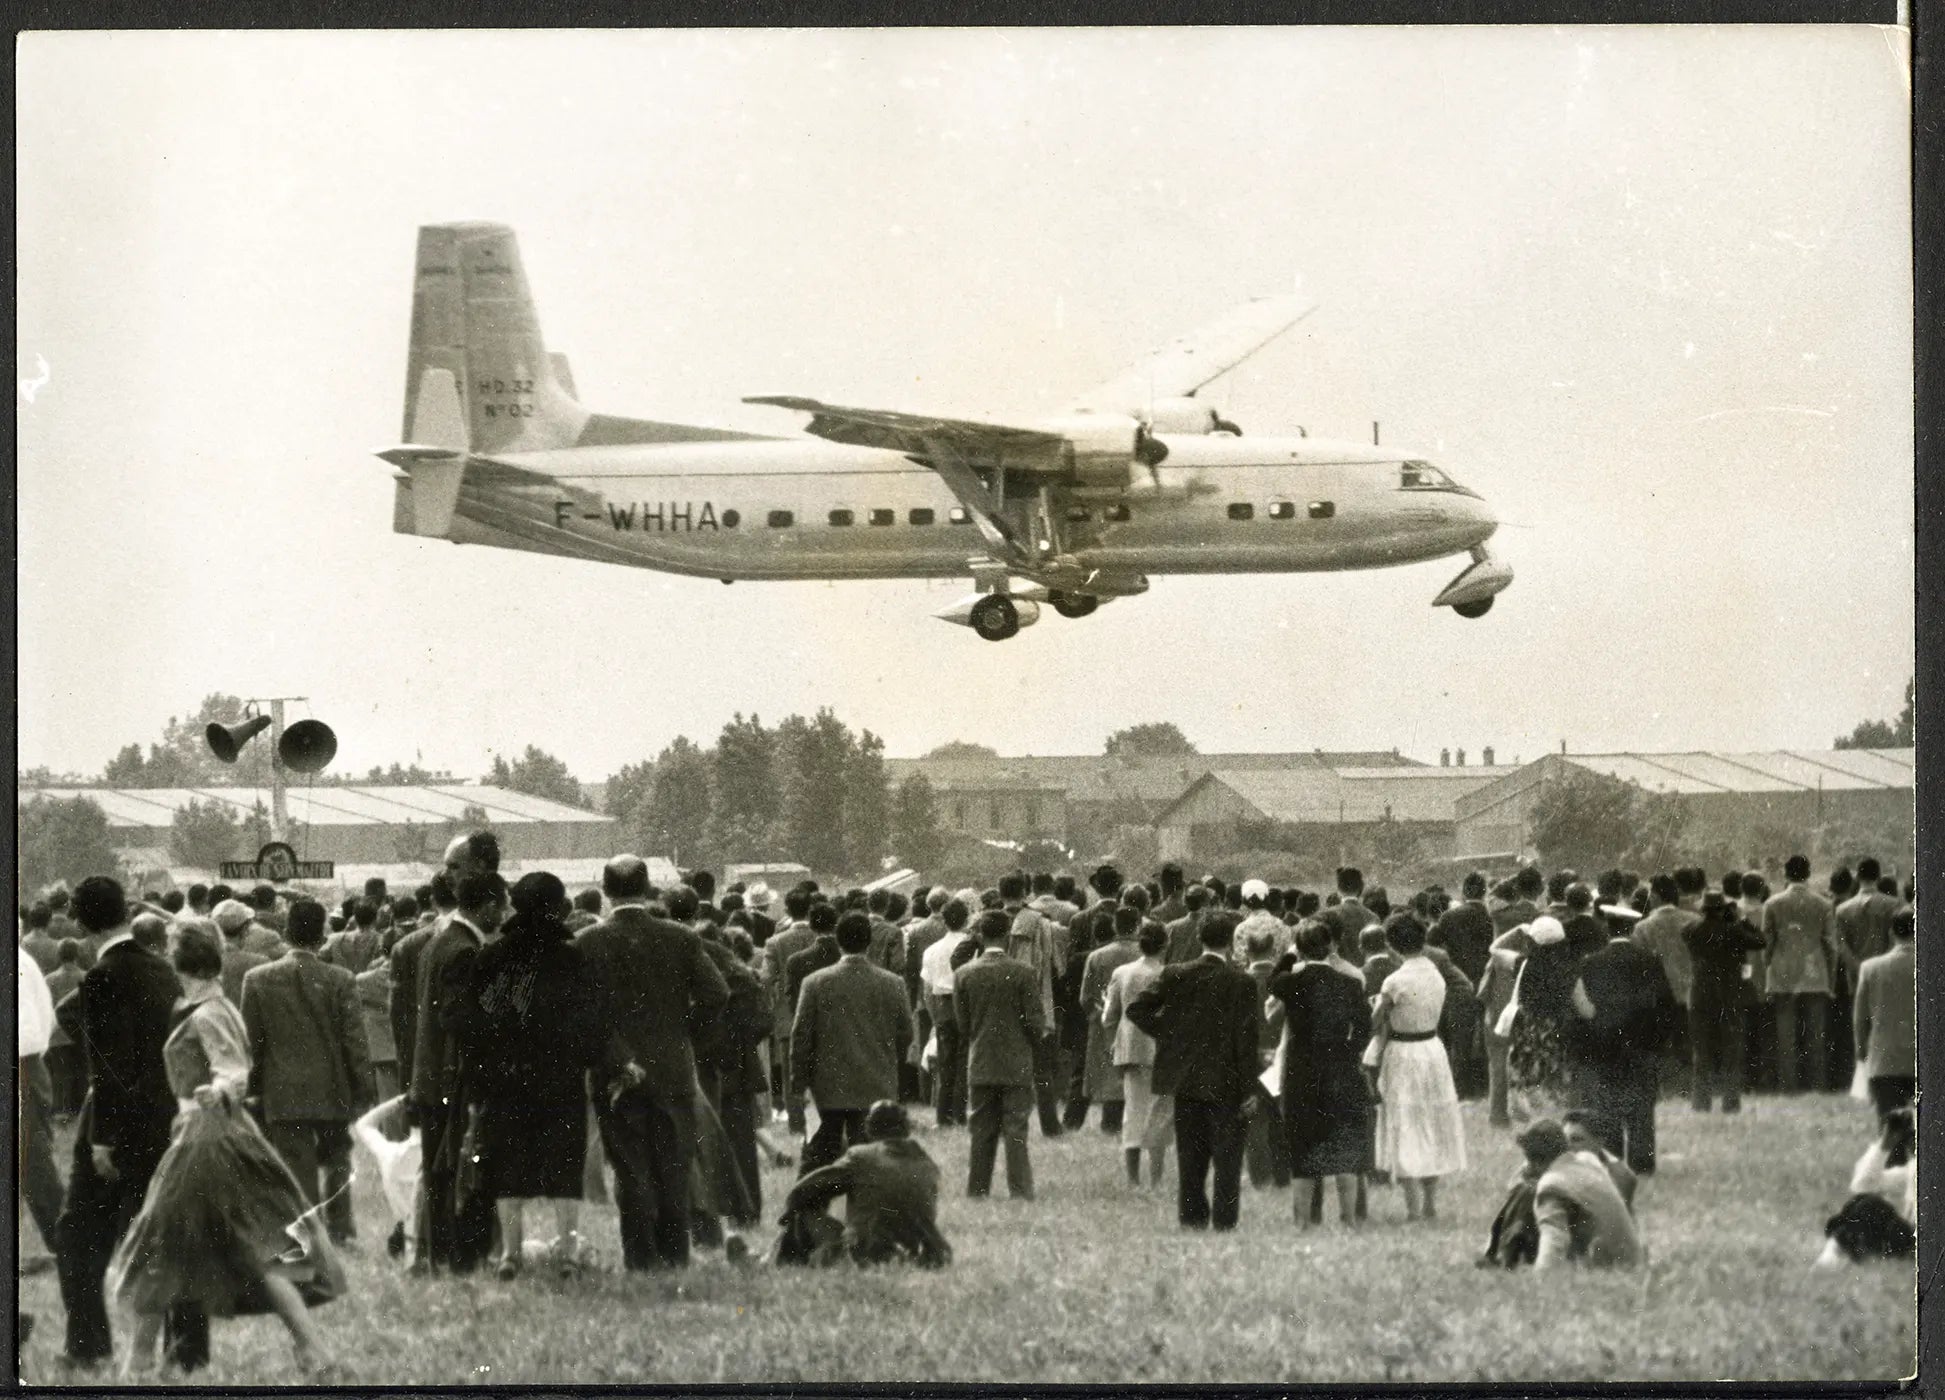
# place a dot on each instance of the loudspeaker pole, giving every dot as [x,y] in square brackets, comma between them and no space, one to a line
[279,809]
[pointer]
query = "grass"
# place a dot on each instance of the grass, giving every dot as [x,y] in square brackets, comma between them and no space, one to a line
[1094,1282]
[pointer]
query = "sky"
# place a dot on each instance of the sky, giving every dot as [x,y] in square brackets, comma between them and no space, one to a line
[1647,290]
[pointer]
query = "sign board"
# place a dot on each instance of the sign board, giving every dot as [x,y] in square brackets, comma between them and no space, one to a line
[277,862]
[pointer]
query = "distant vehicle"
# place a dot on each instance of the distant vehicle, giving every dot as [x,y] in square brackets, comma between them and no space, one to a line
[778,875]
[1138,477]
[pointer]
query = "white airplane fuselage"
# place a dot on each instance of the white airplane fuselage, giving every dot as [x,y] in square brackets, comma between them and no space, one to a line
[1134,478]
[777,509]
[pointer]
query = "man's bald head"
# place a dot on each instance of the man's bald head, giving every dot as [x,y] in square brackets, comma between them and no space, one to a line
[625,877]
[477,853]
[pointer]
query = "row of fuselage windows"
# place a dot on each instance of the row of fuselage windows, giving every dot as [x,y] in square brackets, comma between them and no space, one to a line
[1076,515]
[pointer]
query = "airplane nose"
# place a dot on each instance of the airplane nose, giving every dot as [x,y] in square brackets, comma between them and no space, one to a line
[1485,517]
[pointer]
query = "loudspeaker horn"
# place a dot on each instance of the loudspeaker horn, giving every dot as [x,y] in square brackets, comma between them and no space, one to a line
[226,741]
[308,746]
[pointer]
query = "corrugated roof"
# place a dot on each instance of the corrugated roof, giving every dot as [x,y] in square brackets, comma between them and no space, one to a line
[1322,795]
[356,805]
[1097,778]
[1768,770]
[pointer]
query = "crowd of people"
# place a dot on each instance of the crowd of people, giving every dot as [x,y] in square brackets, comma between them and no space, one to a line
[216,1047]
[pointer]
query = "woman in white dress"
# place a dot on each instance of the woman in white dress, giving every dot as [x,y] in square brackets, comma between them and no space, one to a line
[1419,1135]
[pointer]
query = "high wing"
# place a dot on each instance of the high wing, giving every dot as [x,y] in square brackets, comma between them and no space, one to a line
[1190,361]
[982,442]
[995,468]
[976,458]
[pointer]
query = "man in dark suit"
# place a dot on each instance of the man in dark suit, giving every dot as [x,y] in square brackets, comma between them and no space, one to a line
[125,1009]
[1351,916]
[1522,904]
[1627,1012]
[458,1233]
[997,1004]
[1203,1016]
[1465,930]
[891,1191]
[821,952]
[309,1062]
[773,968]
[407,955]
[852,1030]
[1183,943]
[656,992]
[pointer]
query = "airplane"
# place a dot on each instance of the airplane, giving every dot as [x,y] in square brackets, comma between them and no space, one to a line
[1135,478]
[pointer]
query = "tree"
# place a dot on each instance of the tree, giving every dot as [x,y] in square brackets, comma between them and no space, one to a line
[538,774]
[204,834]
[628,790]
[745,802]
[64,839]
[410,776]
[814,754]
[675,819]
[1160,739]
[1660,833]
[412,842]
[915,834]
[183,758]
[866,810]
[960,748]
[1583,819]
[1395,848]
[1876,734]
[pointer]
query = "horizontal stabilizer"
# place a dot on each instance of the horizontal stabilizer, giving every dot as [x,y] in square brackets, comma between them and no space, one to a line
[435,494]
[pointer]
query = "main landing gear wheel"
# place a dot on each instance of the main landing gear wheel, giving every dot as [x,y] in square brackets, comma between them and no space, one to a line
[1074,604]
[1478,609]
[995,617]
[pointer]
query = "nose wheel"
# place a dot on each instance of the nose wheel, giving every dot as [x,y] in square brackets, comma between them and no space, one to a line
[995,617]
[1074,604]
[1478,609]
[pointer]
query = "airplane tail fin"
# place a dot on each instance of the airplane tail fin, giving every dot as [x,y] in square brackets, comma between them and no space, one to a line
[478,376]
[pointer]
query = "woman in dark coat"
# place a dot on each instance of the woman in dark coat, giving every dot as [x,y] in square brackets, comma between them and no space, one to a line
[1326,1098]
[529,1043]
[1538,1055]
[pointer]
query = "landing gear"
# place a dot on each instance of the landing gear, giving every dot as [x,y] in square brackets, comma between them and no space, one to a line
[1073,604]
[995,617]
[1478,609]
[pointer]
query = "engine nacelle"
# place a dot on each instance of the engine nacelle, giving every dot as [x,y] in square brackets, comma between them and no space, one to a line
[1099,449]
[1183,417]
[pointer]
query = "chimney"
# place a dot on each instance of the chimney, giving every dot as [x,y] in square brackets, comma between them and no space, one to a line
[1486,756]
[1459,760]
[1563,746]
[1445,758]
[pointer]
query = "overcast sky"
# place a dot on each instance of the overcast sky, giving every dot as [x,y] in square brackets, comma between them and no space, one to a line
[1647,290]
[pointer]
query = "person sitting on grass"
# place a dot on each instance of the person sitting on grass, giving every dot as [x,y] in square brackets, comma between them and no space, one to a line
[891,1190]
[1580,1213]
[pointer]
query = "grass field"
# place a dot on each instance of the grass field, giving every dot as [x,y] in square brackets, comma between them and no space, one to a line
[1094,1282]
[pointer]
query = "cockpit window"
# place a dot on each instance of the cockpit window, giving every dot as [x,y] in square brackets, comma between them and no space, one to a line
[1423,474]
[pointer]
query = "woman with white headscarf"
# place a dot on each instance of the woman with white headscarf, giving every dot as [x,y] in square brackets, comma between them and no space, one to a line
[1539,1019]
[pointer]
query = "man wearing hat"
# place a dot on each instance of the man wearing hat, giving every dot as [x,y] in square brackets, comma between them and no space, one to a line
[1719,945]
[236,921]
[891,1191]
[1581,1215]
